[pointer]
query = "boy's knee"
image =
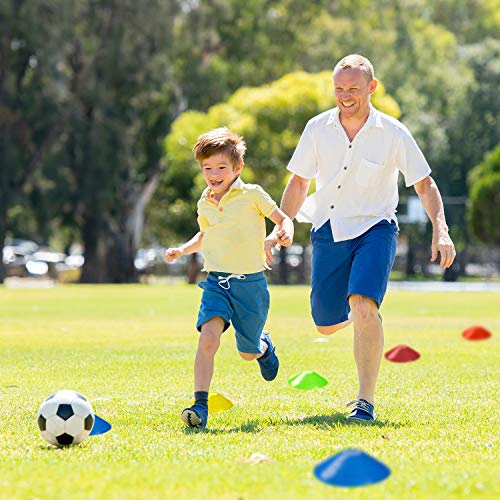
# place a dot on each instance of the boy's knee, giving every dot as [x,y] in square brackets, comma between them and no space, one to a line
[209,341]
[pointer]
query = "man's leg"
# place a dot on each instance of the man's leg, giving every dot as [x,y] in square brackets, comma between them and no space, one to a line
[368,344]
[328,330]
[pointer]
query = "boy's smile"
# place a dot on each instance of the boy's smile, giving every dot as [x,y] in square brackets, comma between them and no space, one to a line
[220,173]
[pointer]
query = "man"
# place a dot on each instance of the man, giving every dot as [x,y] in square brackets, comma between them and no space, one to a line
[354,152]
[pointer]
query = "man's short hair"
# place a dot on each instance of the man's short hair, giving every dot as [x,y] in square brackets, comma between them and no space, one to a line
[356,61]
[220,140]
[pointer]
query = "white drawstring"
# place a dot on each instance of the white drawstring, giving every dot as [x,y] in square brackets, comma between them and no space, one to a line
[224,280]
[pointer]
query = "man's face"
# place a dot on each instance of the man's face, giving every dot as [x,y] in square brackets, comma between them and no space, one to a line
[352,92]
[219,173]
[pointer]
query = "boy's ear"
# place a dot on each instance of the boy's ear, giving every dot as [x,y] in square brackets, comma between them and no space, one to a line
[238,167]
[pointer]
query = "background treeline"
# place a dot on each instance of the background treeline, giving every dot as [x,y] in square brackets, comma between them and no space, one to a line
[100,102]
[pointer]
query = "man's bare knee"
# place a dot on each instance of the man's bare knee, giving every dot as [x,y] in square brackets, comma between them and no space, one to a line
[330,329]
[363,307]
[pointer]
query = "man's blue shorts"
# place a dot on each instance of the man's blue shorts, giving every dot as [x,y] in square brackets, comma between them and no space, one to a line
[358,266]
[242,302]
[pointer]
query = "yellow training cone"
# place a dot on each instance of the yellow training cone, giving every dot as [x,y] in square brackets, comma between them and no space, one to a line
[217,402]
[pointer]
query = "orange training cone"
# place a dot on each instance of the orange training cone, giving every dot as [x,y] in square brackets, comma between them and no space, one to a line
[476,333]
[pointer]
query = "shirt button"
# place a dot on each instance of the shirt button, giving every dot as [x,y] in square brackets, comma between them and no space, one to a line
[345,168]
[220,209]
[332,206]
[338,187]
[350,146]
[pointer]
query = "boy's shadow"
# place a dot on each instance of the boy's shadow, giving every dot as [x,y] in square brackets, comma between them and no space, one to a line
[251,427]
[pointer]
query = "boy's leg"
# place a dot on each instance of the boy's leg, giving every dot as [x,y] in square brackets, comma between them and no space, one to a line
[208,344]
[250,301]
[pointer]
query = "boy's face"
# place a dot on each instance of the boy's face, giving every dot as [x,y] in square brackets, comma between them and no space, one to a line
[220,173]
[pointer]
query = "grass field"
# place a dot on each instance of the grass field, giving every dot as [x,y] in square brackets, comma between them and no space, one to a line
[130,350]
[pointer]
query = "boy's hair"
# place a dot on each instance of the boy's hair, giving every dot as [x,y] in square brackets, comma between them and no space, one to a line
[220,140]
[356,61]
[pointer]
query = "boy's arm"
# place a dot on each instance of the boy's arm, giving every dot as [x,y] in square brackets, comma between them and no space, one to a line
[191,246]
[282,234]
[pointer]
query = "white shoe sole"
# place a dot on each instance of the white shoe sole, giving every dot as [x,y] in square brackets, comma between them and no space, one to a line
[190,418]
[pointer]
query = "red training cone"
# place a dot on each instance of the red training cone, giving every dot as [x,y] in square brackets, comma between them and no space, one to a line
[476,333]
[402,354]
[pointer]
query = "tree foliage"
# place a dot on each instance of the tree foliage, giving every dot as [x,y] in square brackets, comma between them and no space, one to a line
[484,199]
[89,90]
[270,117]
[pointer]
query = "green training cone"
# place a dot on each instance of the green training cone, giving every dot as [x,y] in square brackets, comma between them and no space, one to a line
[307,380]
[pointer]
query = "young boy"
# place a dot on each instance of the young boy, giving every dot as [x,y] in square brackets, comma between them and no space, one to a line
[231,239]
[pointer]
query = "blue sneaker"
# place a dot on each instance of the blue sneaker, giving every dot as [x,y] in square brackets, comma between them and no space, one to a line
[195,416]
[362,411]
[269,363]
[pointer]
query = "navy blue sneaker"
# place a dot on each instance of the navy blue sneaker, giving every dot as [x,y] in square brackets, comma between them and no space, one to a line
[362,411]
[195,416]
[269,363]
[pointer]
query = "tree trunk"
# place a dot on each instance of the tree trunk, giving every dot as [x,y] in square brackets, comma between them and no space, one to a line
[3,231]
[110,248]
[95,267]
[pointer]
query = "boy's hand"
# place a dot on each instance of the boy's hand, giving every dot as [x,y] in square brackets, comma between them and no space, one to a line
[269,243]
[172,254]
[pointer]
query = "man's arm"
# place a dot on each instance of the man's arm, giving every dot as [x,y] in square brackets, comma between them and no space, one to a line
[294,195]
[191,246]
[430,197]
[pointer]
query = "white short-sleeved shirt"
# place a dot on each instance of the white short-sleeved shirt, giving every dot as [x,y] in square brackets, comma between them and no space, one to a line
[356,182]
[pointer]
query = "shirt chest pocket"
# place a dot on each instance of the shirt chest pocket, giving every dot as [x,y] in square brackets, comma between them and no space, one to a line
[369,173]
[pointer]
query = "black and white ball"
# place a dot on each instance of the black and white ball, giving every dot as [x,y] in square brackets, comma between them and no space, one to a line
[65,417]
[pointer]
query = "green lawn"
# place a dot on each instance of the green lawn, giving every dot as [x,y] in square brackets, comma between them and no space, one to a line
[130,350]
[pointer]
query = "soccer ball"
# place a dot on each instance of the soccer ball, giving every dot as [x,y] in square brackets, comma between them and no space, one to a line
[65,417]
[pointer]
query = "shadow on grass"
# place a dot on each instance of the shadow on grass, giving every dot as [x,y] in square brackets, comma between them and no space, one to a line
[251,427]
[330,421]
[335,420]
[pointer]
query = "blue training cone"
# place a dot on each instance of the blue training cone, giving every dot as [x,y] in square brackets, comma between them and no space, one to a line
[100,426]
[351,468]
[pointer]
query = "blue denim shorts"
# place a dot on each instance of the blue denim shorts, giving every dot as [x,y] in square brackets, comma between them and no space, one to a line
[358,266]
[244,302]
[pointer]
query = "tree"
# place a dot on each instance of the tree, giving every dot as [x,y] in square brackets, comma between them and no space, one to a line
[106,72]
[484,208]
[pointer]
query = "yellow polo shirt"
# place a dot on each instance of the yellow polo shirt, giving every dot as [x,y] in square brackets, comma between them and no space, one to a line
[235,228]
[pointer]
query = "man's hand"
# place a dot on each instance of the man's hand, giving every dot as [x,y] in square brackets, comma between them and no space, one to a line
[277,239]
[172,254]
[441,242]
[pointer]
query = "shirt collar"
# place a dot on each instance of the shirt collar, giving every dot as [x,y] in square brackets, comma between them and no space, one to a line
[374,118]
[237,184]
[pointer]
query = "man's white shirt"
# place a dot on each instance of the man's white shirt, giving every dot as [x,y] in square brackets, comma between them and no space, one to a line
[356,182]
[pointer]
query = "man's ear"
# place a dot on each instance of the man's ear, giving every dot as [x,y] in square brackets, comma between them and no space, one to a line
[373,86]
